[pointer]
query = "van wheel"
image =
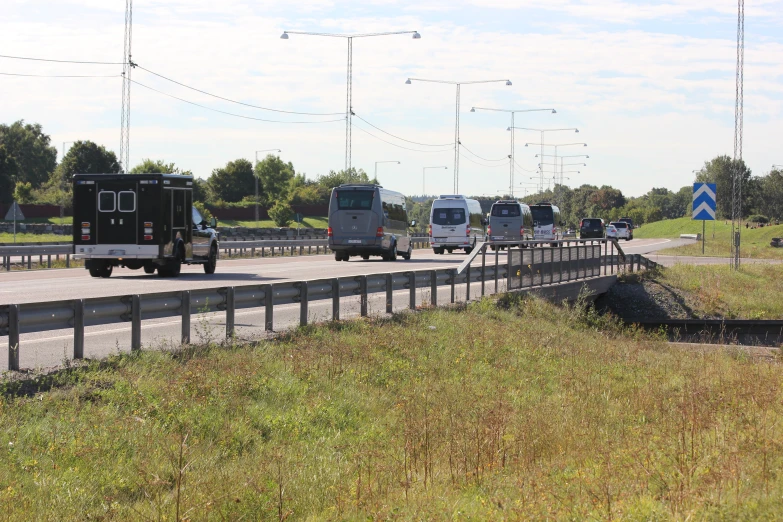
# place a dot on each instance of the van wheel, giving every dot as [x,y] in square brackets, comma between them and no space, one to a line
[407,255]
[468,250]
[338,256]
[393,253]
[211,264]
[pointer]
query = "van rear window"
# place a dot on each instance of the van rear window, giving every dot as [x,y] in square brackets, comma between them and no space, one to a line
[505,210]
[448,216]
[355,199]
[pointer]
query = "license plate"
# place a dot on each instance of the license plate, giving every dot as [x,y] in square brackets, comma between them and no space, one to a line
[355,241]
[116,252]
[498,238]
[440,238]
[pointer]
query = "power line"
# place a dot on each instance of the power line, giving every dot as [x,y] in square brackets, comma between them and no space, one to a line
[394,144]
[62,75]
[238,102]
[58,61]
[523,168]
[403,139]
[479,157]
[224,112]
[481,164]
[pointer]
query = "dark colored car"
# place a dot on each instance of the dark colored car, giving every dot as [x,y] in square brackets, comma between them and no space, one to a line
[627,220]
[590,228]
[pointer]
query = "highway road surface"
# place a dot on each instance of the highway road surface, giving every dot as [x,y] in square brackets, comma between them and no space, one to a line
[49,349]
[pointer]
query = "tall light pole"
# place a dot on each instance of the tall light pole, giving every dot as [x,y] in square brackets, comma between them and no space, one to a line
[349,77]
[255,175]
[556,146]
[385,161]
[423,172]
[543,132]
[511,128]
[62,187]
[456,124]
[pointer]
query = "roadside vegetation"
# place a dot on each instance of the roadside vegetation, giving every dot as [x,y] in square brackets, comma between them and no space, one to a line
[755,241]
[541,413]
[8,237]
[307,222]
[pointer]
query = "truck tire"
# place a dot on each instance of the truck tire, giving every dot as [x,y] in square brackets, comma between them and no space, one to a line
[211,264]
[105,271]
[149,268]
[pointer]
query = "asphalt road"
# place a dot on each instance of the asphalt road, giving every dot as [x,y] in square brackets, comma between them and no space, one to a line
[48,349]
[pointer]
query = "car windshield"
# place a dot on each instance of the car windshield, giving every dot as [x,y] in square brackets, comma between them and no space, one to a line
[542,215]
[505,210]
[591,223]
[448,216]
[355,199]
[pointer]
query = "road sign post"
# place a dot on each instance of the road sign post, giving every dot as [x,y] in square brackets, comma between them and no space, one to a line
[704,204]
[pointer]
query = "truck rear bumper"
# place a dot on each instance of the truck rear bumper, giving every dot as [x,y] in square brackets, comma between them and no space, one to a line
[116,251]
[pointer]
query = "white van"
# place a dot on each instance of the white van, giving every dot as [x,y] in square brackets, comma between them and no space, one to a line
[456,222]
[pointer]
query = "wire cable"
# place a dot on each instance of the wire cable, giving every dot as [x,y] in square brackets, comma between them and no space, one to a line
[58,61]
[479,157]
[523,168]
[224,112]
[62,75]
[398,146]
[235,101]
[403,139]
[480,164]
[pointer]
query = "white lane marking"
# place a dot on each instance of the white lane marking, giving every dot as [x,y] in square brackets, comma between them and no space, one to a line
[651,244]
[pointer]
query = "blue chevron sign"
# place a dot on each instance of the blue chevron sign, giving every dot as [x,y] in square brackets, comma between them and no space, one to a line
[704,198]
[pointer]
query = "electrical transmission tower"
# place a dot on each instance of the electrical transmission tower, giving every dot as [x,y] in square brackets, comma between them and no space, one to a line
[736,185]
[126,85]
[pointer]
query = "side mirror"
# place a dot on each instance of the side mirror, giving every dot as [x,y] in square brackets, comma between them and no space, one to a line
[213,222]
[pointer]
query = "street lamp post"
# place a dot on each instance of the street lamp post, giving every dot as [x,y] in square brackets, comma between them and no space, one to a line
[543,132]
[386,161]
[255,175]
[423,172]
[556,146]
[62,187]
[349,77]
[456,123]
[511,128]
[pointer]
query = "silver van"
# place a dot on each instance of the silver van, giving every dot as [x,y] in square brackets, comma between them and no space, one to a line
[367,220]
[510,220]
[456,223]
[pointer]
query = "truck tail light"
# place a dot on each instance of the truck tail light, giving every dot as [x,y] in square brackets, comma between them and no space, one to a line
[489,230]
[329,232]
[86,231]
[148,223]
[379,232]
[148,238]
[467,231]
[85,237]
[86,224]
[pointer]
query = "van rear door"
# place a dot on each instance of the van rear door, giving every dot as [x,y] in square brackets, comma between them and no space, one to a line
[506,221]
[117,213]
[449,220]
[352,218]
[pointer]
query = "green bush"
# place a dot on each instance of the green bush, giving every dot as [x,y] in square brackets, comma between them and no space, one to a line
[758,218]
[281,213]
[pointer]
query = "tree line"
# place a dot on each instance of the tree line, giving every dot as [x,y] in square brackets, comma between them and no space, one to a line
[30,173]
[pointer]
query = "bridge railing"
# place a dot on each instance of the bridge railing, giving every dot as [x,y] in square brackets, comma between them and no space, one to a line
[77,314]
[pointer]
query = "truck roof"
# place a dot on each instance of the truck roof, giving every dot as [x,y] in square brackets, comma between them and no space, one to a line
[133,176]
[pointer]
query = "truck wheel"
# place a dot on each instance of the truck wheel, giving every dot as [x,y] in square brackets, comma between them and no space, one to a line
[149,269]
[468,250]
[393,253]
[211,264]
[94,272]
[338,256]
[365,256]
[407,255]
[105,271]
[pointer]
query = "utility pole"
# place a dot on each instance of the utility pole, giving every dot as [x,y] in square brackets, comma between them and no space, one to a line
[127,66]
[736,185]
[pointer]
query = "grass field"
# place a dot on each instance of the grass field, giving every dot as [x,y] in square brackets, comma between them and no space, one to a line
[754,242]
[34,238]
[541,413]
[751,293]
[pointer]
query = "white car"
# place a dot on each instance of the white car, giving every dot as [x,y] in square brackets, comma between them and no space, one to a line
[611,232]
[623,230]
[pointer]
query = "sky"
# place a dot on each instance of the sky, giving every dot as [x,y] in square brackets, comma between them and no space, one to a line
[649,85]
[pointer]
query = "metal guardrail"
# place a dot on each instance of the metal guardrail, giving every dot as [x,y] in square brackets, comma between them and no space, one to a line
[77,314]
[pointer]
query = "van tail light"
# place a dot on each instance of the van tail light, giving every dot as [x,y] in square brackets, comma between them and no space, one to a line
[467,231]
[581,224]
[379,232]
[329,232]
[429,230]
[489,230]
[522,232]
[85,238]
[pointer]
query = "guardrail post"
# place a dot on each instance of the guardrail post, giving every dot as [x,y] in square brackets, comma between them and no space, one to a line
[253,252]
[136,322]
[335,299]
[303,303]
[497,252]
[578,247]
[49,261]
[560,278]
[467,277]
[412,288]
[13,337]
[363,292]
[638,262]
[454,282]
[78,328]
[389,293]
[29,262]
[483,271]
[262,251]
[67,260]
[434,287]
[268,307]
[185,309]
[611,257]
[230,309]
